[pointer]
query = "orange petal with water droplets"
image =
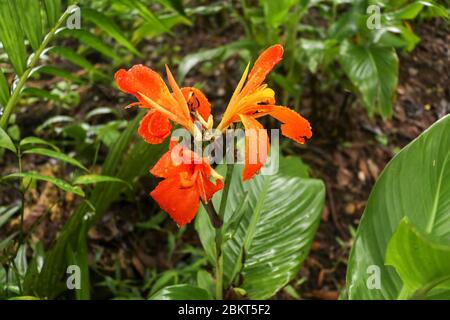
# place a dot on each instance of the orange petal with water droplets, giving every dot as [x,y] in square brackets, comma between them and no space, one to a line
[180,203]
[256,146]
[197,101]
[263,65]
[154,127]
[294,125]
[142,79]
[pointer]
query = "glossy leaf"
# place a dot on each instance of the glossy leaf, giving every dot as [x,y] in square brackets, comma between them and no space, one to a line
[181,292]
[6,142]
[421,263]
[414,185]
[94,178]
[35,140]
[374,72]
[57,182]
[275,232]
[56,155]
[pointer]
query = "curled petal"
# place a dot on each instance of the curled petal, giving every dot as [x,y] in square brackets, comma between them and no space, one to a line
[206,188]
[166,167]
[179,202]
[197,101]
[154,127]
[144,80]
[263,65]
[294,125]
[256,146]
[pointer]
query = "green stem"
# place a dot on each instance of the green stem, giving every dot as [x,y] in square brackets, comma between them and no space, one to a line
[219,234]
[24,77]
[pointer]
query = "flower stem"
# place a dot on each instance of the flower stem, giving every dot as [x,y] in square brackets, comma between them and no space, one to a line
[219,234]
[24,77]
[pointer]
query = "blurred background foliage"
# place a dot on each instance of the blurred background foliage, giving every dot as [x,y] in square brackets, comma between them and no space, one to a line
[59,102]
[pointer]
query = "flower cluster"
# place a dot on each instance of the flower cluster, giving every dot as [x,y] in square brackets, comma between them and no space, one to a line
[187,176]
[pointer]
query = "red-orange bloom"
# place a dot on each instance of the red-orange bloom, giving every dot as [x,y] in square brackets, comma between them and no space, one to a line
[186,182]
[182,106]
[253,99]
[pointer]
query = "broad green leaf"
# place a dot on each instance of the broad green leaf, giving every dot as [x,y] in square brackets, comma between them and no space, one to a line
[102,111]
[374,72]
[276,12]
[56,155]
[11,36]
[149,30]
[29,12]
[414,185]
[6,142]
[94,178]
[35,140]
[421,263]
[57,182]
[181,292]
[4,89]
[92,41]
[317,52]
[109,26]
[206,282]
[222,53]
[275,232]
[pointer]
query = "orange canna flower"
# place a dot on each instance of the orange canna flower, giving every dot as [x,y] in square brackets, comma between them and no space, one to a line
[182,106]
[186,182]
[253,99]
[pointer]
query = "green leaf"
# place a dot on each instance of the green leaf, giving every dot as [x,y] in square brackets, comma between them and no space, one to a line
[223,53]
[94,178]
[76,59]
[35,140]
[413,185]
[92,41]
[374,72]
[29,12]
[181,292]
[57,182]
[276,12]
[176,5]
[55,154]
[11,36]
[421,263]
[55,71]
[53,10]
[4,89]
[411,10]
[53,120]
[206,282]
[109,26]
[6,142]
[6,213]
[276,230]
[145,13]
[41,93]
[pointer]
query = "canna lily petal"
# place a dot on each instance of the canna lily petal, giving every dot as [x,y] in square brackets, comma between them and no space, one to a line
[207,188]
[166,167]
[179,202]
[154,127]
[144,80]
[256,146]
[197,101]
[294,125]
[263,65]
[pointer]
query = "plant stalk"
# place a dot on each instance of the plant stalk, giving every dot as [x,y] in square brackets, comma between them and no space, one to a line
[219,233]
[24,77]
